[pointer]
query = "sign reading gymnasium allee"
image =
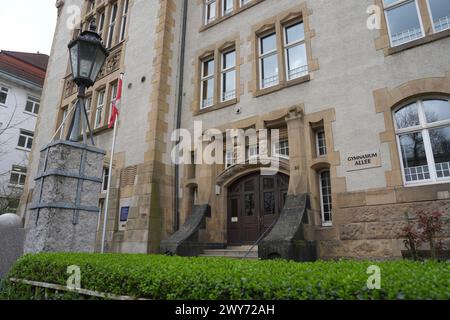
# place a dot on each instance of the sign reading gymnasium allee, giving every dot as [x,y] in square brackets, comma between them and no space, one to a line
[363,160]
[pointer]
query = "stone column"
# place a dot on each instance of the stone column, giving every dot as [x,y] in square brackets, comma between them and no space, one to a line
[298,183]
[64,212]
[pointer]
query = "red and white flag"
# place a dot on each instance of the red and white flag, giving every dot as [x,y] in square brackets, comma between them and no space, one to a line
[116,103]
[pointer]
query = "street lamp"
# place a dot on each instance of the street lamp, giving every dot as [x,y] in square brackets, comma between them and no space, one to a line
[87,56]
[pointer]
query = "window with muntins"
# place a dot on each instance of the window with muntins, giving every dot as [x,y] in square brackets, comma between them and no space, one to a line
[227,7]
[440,14]
[295,51]
[404,21]
[228,76]
[325,197]
[268,60]
[18,176]
[112,24]
[321,143]
[25,140]
[123,24]
[32,105]
[210,11]
[3,95]
[99,109]
[423,137]
[207,84]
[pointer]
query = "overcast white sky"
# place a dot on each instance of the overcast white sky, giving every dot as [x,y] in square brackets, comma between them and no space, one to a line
[27,25]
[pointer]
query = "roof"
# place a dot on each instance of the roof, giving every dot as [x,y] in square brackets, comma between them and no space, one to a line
[38,60]
[26,66]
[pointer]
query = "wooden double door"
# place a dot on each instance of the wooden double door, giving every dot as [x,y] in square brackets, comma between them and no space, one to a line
[254,203]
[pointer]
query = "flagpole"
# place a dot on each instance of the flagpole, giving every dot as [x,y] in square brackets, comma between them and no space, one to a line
[105,215]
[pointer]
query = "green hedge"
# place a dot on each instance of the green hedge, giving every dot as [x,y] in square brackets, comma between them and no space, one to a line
[162,277]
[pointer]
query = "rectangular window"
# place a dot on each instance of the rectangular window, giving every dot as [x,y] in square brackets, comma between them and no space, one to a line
[325,198]
[112,24]
[281,149]
[244,2]
[101,23]
[105,180]
[295,51]
[25,140]
[113,98]
[228,78]
[268,61]
[440,14]
[210,10]
[92,5]
[18,176]
[227,6]
[88,106]
[123,24]
[32,105]
[321,143]
[207,84]
[63,124]
[404,22]
[99,109]
[3,95]
[253,151]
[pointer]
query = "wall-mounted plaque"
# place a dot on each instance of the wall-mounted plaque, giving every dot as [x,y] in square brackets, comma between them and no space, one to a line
[363,160]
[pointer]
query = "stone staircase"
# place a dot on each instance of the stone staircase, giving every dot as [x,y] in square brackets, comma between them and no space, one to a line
[233,252]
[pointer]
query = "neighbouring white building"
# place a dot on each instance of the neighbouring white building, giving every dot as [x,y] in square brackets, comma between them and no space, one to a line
[21,80]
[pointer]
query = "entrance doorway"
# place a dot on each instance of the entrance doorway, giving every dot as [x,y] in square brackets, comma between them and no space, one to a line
[254,203]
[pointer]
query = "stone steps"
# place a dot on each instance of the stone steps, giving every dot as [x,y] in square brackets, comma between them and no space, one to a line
[232,252]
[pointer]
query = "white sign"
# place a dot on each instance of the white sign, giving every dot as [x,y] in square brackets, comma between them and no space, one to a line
[363,160]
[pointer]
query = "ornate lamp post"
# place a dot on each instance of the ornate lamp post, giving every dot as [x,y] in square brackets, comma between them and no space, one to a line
[87,56]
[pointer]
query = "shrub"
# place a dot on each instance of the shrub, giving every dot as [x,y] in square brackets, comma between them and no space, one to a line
[175,278]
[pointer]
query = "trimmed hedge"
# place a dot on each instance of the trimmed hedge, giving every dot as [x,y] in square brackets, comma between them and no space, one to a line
[174,278]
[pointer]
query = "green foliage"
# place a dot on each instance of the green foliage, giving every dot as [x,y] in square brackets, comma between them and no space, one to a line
[174,278]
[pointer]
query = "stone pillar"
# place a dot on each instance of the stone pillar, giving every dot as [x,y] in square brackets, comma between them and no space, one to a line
[64,212]
[298,183]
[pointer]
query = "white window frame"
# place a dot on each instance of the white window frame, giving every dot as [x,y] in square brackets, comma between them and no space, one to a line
[264,56]
[287,46]
[36,102]
[21,172]
[322,204]
[432,19]
[224,71]
[424,129]
[112,25]
[123,23]
[88,106]
[230,10]
[318,148]
[63,123]
[101,23]
[99,109]
[28,135]
[244,2]
[276,148]
[206,78]
[113,98]
[4,90]
[398,4]
[208,3]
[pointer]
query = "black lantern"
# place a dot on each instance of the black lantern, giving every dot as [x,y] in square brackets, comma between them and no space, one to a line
[87,56]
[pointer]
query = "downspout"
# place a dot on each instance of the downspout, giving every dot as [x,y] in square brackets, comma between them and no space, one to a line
[176,218]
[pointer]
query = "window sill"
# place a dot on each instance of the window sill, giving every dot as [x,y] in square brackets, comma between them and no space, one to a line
[282,85]
[31,114]
[229,15]
[218,106]
[415,43]
[426,183]
[3,105]
[15,186]
[23,149]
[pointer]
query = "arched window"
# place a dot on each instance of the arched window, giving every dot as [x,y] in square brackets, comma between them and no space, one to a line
[423,137]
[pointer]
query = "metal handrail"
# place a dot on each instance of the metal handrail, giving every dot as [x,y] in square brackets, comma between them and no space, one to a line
[261,237]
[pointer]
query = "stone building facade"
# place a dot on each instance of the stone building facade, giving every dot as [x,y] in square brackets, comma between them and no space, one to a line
[358,90]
